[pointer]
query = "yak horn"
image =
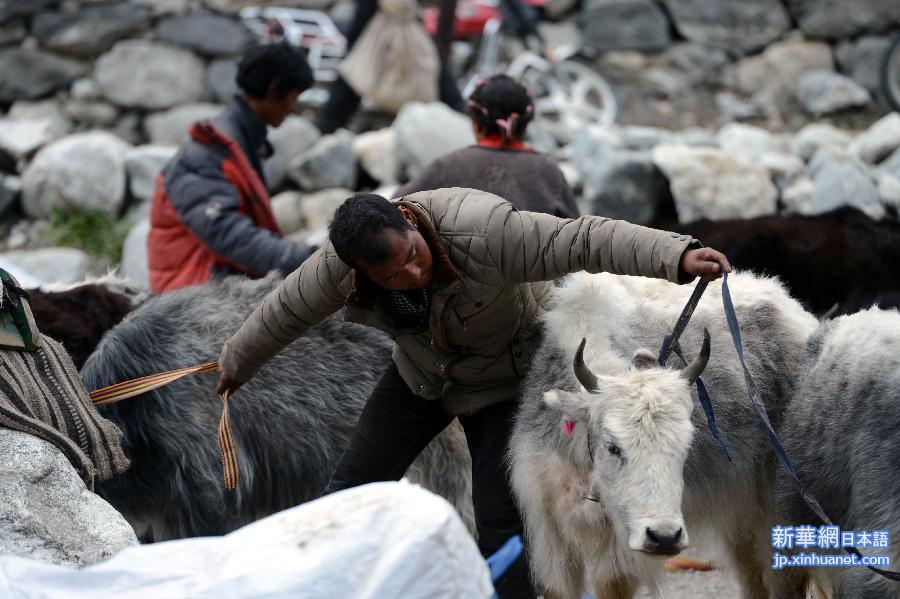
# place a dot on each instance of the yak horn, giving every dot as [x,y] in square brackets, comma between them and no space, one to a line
[584,375]
[693,370]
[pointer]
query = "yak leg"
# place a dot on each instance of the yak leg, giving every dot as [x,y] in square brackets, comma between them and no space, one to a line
[747,565]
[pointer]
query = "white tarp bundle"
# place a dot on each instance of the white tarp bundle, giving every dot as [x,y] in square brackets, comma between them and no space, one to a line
[380,540]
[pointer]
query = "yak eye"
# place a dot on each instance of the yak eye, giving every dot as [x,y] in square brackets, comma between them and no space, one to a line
[614,449]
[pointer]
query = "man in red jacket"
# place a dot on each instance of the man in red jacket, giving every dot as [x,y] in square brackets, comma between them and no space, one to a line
[210,213]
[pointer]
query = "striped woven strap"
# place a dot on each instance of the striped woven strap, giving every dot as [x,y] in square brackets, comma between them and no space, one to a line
[131,388]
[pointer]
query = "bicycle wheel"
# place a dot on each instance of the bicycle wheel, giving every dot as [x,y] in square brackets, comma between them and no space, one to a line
[890,74]
[568,95]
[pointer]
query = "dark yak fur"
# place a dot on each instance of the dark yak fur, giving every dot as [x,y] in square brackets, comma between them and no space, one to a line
[842,257]
[78,317]
[291,422]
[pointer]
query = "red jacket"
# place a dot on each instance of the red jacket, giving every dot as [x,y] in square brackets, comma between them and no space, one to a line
[178,255]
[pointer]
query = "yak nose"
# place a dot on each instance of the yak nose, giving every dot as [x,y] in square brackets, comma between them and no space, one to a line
[659,542]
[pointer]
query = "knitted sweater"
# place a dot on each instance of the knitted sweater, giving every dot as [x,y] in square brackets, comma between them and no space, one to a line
[528,180]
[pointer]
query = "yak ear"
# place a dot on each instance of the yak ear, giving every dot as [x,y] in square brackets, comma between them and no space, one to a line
[573,405]
[643,359]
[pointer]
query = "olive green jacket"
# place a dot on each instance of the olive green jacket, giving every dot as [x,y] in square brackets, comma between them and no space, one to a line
[493,273]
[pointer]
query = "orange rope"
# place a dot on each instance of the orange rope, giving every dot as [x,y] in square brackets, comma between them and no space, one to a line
[134,387]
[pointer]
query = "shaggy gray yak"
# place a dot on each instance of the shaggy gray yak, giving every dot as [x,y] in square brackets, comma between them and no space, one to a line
[842,431]
[291,422]
[640,475]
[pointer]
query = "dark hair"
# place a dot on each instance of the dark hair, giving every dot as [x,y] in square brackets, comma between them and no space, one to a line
[281,64]
[500,105]
[358,226]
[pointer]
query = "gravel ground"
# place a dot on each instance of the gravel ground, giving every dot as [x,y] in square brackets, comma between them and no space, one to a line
[715,584]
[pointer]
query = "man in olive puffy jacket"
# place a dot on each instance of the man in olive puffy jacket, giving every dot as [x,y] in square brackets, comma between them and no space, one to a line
[458,278]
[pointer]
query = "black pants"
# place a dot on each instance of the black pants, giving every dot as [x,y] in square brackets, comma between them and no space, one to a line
[396,425]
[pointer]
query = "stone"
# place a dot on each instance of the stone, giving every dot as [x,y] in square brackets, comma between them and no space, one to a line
[784,168]
[825,92]
[167,7]
[81,172]
[221,80]
[696,62]
[816,135]
[10,190]
[143,164]
[329,163]
[47,513]
[286,208]
[643,138]
[625,25]
[129,128]
[891,164]
[836,20]
[319,208]
[707,183]
[427,131]
[30,74]
[233,7]
[8,163]
[51,265]
[89,30]
[798,197]
[143,74]
[92,113]
[841,180]
[889,190]
[860,59]
[12,33]
[742,25]
[696,136]
[376,153]
[22,137]
[85,88]
[745,139]
[626,185]
[11,9]
[206,34]
[170,128]
[295,136]
[134,266]
[879,140]
[733,108]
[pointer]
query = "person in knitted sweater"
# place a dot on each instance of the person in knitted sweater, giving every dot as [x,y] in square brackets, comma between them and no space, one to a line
[501,163]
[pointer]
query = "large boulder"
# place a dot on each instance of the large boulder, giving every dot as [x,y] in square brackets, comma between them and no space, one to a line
[134,265]
[840,180]
[89,30]
[142,74]
[427,131]
[29,74]
[861,59]
[817,135]
[626,185]
[329,163]
[50,265]
[707,183]
[625,24]
[889,190]
[295,136]
[835,19]
[47,513]
[825,92]
[295,211]
[743,25]
[170,128]
[143,164]
[879,140]
[11,34]
[12,9]
[891,164]
[82,172]
[92,113]
[207,34]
